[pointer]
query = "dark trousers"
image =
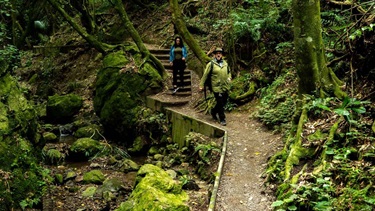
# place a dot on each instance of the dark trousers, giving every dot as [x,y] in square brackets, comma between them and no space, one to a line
[178,72]
[221,101]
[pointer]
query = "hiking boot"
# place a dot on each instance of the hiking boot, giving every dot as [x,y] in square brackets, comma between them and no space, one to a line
[223,123]
[175,90]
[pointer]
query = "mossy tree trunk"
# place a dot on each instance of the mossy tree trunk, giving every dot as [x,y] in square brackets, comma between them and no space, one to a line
[27,18]
[101,47]
[314,76]
[185,34]
[137,38]
[85,7]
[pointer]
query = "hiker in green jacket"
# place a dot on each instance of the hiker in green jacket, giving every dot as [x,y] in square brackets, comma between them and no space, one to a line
[217,71]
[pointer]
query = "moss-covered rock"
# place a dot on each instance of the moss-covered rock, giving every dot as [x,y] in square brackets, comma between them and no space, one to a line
[70,175]
[155,190]
[50,137]
[138,145]
[94,176]
[91,131]
[59,179]
[119,94]
[110,185]
[128,165]
[53,156]
[61,109]
[89,192]
[153,150]
[85,147]
[18,138]
[15,111]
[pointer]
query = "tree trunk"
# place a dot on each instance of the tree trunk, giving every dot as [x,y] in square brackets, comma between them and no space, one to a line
[314,76]
[28,23]
[87,14]
[137,39]
[14,24]
[185,34]
[101,47]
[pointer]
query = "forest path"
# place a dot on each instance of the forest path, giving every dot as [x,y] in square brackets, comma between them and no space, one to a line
[248,148]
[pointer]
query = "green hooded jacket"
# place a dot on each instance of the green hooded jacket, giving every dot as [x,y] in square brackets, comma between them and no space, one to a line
[220,76]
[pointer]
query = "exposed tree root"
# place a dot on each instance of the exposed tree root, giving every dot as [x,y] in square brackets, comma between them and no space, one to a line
[323,162]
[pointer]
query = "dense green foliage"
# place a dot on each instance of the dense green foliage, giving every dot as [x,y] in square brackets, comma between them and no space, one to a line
[342,169]
[257,35]
[278,102]
[23,180]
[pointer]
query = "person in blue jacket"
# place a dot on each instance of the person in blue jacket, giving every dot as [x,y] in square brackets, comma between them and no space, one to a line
[177,57]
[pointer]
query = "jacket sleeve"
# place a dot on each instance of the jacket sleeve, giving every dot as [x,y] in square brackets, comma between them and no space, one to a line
[171,54]
[184,52]
[205,74]
[229,74]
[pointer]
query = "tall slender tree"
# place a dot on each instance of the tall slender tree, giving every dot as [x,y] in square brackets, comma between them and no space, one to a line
[314,75]
[137,38]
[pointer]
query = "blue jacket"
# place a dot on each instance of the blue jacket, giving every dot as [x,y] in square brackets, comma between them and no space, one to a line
[171,53]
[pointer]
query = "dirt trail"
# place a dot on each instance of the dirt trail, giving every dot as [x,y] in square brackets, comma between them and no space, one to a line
[249,145]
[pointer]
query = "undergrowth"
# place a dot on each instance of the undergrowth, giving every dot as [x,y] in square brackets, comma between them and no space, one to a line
[340,174]
[278,103]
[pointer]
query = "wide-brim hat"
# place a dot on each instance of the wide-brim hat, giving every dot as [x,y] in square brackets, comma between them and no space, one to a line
[218,50]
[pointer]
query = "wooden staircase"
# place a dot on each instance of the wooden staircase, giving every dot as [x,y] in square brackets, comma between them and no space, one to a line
[163,56]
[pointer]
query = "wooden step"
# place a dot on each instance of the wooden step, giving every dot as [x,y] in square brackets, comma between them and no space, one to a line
[159,51]
[186,83]
[162,56]
[167,65]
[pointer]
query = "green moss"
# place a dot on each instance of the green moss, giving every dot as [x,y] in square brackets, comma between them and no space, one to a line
[94,176]
[317,135]
[137,146]
[128,165]
[92,131]
[115,59]
[49,137]
[87,147]
[18,157]
[16,111]
[278,103]
[119,95]
[54,156]
[152,75]
[33,79]
[155,190]
[89,192]
[59,178]
[4,122]
[62,108]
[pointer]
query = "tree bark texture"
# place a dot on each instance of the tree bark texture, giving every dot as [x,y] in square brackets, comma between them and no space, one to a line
[314,76]
[185,34]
